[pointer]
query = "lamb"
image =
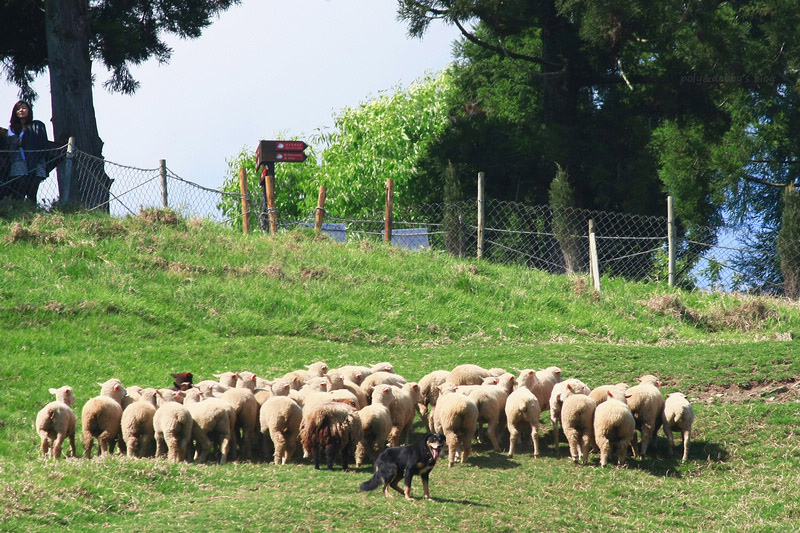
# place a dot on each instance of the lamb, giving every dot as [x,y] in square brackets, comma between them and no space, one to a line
[402,411]
[244,403]
[376,423]
[56,422]
[356,374]
[678,415]
[468,375]
[227,379]
[429,388]
[614,427]
[577,419]
[213,418]
[522,412]
[601,393]
[382,367]
[137,424]
[280,418]
[333,428]
[556,401]
[491,401]
[456,416]
[246,380]
[527,378]
[545,381]
[380,378]
[101,416]
[647,404]
[210,388]
[172,428]
[317,369]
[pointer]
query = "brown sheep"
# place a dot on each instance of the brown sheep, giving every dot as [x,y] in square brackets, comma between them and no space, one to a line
[332,428]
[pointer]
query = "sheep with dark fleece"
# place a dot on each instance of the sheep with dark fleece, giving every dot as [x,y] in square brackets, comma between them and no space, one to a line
[333,429]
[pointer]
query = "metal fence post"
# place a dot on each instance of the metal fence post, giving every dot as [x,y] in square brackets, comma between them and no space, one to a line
[65,181]
[671,241]
[480,214]
[162,165]
[594,263]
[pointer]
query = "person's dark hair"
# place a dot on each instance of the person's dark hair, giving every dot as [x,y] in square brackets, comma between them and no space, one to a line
[16,123]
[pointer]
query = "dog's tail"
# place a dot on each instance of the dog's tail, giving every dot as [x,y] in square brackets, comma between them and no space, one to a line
[372,484]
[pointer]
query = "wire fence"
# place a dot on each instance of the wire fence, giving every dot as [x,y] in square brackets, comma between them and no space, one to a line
[555,240]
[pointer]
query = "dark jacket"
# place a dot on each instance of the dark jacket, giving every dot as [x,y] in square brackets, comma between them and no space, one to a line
[34,141]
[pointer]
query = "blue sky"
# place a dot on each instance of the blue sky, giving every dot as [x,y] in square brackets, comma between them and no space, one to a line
[261,68]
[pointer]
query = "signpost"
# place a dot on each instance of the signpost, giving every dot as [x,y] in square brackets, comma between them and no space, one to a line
[267,154]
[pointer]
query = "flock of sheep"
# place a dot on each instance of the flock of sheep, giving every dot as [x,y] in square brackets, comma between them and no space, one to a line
[354,412]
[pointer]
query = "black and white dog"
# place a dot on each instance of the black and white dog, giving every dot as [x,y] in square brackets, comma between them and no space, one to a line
[405,462]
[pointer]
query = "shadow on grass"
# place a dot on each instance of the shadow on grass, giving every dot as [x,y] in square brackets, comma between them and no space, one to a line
[664,465]
[458,502]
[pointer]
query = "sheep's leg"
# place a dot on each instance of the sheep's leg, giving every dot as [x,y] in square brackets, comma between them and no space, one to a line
[647,431]
[491,428]
[361,451]
[72,445]
[535,438]
[512,439]
[584,448]
[224,448]
[622,448]
[88,442]
[451,448]
[605,448]
[133,447]
[45,444]
[686,437]
[670,439]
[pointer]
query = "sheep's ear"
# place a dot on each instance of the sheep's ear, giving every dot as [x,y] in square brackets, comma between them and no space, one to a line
[627,396]
[217,375]
[100,384]
[52,390]
[610,395]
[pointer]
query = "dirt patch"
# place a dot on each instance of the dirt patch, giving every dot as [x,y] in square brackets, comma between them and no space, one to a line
[774,392]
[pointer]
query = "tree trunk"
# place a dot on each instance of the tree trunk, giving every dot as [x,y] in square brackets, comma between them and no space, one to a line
[67,29]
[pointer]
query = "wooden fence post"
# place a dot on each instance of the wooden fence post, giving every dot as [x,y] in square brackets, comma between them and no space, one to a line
[245,200]
[593,261]
[480,214]
[671,241]
[323,193]
[387,237]
[162,166]
[270,189]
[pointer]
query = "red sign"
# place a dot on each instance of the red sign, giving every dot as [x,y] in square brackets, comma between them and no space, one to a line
[280,152]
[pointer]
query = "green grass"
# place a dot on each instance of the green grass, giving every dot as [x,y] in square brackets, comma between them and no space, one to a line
[84,298]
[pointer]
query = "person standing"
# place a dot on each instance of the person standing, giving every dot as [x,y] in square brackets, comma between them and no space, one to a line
[29,145]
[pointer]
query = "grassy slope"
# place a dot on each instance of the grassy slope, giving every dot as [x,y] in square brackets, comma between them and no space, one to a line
[84,298]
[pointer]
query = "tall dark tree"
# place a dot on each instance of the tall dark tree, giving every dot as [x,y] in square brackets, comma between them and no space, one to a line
[66,36]
[636,98]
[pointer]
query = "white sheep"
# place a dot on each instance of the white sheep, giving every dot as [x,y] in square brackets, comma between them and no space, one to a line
[376,423]
[172,427]
[456,416]
[491,401]
[355,373]
[429,388]
[647,404]
[246,407]
[55,422]
[297,378]
[402,410]
[246,380]
[614,426]
[213,418]
[600,394]
[101,416]
[527,378]
[380,378]
[467,374]
[382,367]
[556,401]
[137,424]
[522,414]
[280,418]
[228,379]
[577,420]
[545,381]
[678,415]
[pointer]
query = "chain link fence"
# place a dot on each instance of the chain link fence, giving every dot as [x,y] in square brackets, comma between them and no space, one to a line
[555,240]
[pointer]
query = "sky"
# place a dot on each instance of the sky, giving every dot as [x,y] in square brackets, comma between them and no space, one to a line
[262,68]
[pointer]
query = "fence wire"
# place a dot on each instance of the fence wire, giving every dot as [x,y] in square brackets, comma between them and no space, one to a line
[555,240]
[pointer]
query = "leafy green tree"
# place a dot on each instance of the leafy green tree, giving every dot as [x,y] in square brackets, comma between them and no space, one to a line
[66,36]
[386,137]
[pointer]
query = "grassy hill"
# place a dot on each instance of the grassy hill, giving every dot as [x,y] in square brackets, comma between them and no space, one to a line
[85,298]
